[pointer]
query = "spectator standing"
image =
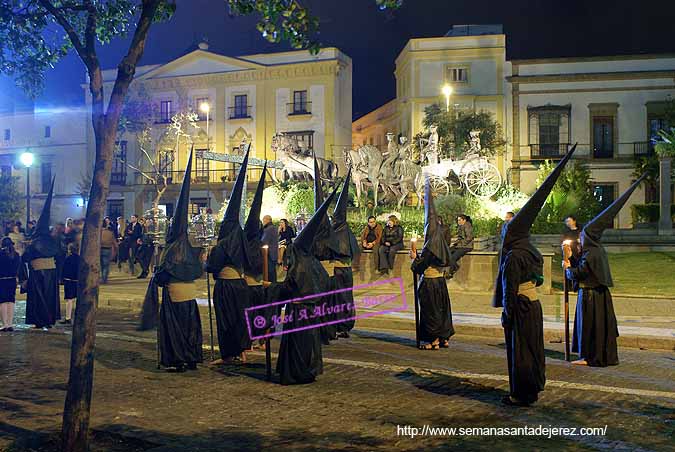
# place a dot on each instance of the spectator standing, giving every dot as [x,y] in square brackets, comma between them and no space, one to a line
[71,270]
[108,251]
[286,236]
[9,270]
[132,234]
[270,237]
[17,238]
[391,243]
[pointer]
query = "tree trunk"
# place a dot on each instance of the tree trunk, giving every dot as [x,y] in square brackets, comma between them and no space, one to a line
[666,198]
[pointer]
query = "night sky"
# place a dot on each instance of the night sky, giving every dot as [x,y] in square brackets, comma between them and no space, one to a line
[373,39]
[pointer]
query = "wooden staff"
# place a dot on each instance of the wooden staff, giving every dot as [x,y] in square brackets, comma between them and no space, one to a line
[413,252]
[268,352]
[208,297]
[566,289]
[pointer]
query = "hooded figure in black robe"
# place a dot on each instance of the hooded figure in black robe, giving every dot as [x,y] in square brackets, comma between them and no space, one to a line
[595,327]
[435,310]
[39,273]
[521,270]
[325,249]
[300,351]
[253,270]
[347,249]
[227,262]
[180,328]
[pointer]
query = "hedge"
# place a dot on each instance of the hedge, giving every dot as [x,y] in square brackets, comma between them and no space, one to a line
[648,213]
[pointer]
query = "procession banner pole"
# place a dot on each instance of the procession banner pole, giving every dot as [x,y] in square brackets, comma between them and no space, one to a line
[566,307]
[268,351]
[413,251]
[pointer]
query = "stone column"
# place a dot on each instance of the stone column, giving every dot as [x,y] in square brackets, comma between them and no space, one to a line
[666,196]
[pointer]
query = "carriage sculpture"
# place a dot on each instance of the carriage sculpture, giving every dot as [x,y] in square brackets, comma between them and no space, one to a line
[473,173]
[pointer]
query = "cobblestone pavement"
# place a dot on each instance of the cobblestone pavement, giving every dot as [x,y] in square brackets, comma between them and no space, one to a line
[374,383]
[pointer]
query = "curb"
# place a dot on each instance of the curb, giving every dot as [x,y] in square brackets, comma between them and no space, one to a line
[550,336]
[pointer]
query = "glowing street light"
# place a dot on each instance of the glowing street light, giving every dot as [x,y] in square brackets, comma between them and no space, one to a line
[447,92]
[27,159]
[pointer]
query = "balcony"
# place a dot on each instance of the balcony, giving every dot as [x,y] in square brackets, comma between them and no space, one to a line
[299,108]
[548,151]
[216,176]
[643,149]
[118,178]
[239,112]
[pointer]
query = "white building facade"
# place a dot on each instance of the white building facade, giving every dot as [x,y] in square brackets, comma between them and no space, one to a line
[251,98]
[57,139]
[611,106]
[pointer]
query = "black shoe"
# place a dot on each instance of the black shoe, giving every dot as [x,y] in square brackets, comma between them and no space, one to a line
[178,369]
[343,334]
[142,276]
[65,322]
[510,401]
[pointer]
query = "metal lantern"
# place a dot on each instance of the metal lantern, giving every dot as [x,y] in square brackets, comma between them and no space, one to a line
[156,225]
[203,226]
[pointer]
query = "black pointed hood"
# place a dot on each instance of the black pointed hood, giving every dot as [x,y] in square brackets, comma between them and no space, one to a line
[253,230]
[42,244]
[179,258]
[519,227]
[591,234]
[346,243]
[42,225]
[307,236]
[234,204]
[318,189]
[434,241]
[325,242]
[232,247]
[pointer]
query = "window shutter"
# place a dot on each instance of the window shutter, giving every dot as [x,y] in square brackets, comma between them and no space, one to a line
[534,128]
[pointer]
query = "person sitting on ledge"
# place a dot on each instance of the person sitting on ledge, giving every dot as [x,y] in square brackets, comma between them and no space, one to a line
[464,243]
[371,234]
[392,242]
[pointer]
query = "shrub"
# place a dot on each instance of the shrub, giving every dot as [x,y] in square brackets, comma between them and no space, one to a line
[647,213]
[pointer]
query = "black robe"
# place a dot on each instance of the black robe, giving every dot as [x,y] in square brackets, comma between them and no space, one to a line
[435,308]
[595,326]
[523,324]
[180,332]
[9,270]
[43,300]
[300,360]
[230,299]
[344,278]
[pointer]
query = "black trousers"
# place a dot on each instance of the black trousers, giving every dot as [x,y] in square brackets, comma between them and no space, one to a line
[387,255]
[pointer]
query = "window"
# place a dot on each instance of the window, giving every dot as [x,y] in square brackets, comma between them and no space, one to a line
[196,204]
[300,106]
[6,170]
[166,165]
[46,176]
[603,136]
[115,208]
[549,131]
[655,125]
[457,74]
[605,194]
[48,131]
[165,111]
[201,172]
[8,134]
[118,176]
[304,138]
[198,106]
[240,109]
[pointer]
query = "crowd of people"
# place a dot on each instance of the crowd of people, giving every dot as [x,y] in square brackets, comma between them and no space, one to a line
[318,265]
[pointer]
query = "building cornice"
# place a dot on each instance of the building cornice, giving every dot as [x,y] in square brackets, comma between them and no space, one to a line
[591,76]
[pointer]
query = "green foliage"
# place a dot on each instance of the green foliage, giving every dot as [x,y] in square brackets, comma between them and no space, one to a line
[449,206]
[300,199]
[571,195]
[665,148]
[647,213]
[454,128]
[11,198]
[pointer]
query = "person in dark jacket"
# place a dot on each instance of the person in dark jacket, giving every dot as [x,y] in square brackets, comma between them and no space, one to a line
[71,268]
[595,326]
[464,242]
[270,237]
[392,241]
[10,261]
[132,234]
[286,236]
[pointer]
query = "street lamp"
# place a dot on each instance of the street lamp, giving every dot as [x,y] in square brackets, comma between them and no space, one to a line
[27,159]
[447,92]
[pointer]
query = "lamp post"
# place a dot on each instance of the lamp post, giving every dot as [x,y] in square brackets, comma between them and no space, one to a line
[27,159]
[447,92]
[206,108]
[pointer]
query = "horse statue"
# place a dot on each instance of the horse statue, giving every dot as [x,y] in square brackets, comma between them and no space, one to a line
[298,163]
[397,174]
